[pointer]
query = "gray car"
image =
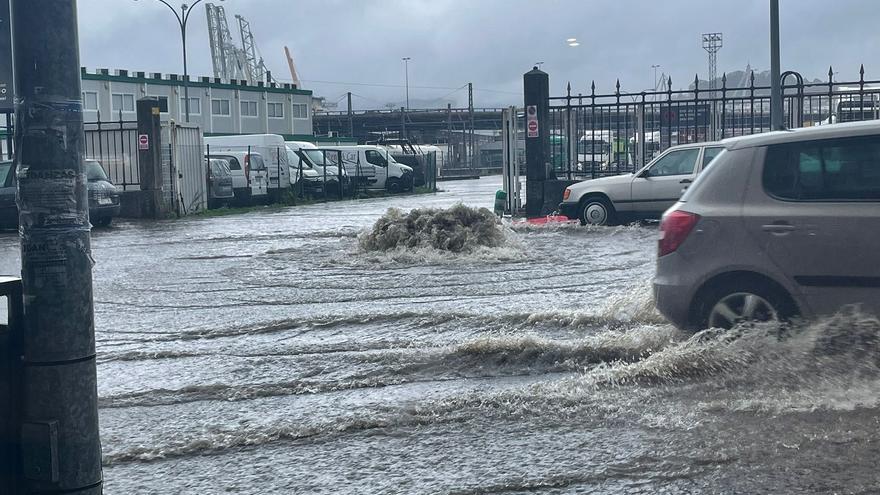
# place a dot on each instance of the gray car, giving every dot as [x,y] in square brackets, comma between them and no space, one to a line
[219,178]
[643,195]
[782,224]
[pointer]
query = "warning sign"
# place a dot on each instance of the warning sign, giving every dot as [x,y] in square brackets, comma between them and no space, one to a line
[143,142]
[532,121]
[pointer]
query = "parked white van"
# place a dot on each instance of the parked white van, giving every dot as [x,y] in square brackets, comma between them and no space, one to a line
[270,147]
[249,175]
[389,174]
[327,173]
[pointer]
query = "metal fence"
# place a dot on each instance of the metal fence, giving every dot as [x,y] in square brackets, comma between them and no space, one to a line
[596,134]
[114,145]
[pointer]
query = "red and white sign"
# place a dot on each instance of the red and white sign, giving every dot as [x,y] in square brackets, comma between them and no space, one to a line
[532,121]
[143,142]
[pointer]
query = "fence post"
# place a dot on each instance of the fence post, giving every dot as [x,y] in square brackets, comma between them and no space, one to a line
[149,159]
[568,134]
[723,104]
[278,169]
[536,92]
[640,146]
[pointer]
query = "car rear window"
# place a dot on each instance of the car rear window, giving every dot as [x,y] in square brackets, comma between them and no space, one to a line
[846,169]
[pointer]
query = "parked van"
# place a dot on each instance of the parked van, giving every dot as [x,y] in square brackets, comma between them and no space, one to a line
[328,173]
[389,174]
[269,146]
[249,175]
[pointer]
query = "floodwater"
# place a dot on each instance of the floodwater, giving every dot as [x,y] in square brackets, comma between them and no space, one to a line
[272,353]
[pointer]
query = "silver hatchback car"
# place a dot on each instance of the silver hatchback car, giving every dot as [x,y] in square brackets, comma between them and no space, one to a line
[781,224]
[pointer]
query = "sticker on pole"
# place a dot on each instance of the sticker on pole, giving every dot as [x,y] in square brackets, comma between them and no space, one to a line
[532,120]
[143,142]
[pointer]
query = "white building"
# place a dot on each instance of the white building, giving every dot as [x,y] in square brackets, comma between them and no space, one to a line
[218,107]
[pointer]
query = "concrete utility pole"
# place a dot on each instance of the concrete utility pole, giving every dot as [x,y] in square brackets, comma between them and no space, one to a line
[776,109]
[60,448]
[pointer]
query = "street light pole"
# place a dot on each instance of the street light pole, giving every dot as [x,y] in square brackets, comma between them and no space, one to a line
[406,72]
[182,19]
[655,67]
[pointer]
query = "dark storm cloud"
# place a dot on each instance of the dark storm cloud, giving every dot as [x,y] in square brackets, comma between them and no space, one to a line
[488,42]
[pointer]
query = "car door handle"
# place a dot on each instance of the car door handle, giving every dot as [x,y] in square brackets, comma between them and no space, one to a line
[778,228]
[686,181]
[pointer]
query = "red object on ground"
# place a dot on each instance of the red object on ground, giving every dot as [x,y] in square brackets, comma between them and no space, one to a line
[547,219]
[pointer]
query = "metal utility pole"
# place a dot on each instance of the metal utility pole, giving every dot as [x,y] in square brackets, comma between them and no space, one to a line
[450,148]
[350,117]
[712,42]
[471,117]
[402,123]
[406,76]
[655,67]
[776,110]
[60,447]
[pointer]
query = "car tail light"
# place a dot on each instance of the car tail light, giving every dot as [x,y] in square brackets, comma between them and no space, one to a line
[247,168]
[566,194]
[674,229]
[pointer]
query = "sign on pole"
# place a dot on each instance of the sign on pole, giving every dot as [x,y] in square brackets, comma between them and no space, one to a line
[532,121]
[143,142]
[7,82]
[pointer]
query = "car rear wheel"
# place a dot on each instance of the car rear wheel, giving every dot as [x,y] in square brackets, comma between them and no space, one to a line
[743,302]
[596,211]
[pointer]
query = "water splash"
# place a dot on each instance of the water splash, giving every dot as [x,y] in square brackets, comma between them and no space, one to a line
[457,229]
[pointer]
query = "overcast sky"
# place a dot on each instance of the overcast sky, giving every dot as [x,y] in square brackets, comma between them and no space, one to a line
[357,45]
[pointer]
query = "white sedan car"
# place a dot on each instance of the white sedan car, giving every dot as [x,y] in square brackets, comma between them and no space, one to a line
[643,195]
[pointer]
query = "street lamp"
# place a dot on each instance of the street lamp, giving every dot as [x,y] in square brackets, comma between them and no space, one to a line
[655,67]
[406,70]
[182,18]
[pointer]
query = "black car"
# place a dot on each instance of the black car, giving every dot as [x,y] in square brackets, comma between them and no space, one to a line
[8,209]
[103,195]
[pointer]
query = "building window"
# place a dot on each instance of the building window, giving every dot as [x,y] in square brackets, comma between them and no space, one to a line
[248,109]
[276,110]
[123,102]
[90,100]
[163,102]
[300,111]
[219,107]
[195,106]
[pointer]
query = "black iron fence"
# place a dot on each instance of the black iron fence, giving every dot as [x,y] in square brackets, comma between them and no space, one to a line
[596,134]
[114,145]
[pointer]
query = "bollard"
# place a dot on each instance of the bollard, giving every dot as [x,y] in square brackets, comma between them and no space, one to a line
[500,202]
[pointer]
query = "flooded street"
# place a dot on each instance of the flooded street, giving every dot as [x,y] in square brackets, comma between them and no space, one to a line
[269,352]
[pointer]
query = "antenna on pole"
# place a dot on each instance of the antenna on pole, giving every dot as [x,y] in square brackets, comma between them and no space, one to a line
[712,42]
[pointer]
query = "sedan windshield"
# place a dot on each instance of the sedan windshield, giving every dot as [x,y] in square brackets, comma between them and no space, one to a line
[94,171]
